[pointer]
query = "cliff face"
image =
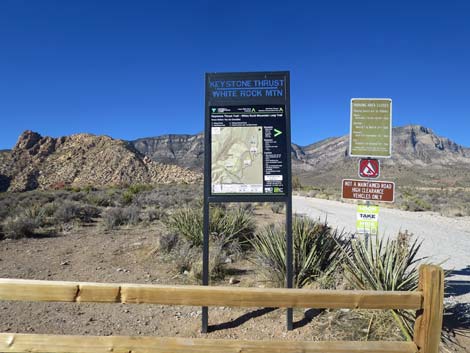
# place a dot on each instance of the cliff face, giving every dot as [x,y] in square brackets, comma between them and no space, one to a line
[412,145]
[81,160]
[182,150]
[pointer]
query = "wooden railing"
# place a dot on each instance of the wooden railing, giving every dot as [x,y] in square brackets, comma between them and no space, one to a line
[428,301]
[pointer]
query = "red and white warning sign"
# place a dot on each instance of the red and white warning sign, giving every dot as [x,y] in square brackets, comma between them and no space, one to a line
[369,168]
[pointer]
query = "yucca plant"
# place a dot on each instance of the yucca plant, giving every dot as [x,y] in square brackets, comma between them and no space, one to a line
[227,224]
[316,250]
[386,265]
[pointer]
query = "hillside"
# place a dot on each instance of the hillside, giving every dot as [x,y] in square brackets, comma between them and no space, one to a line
[420,158]
[81,160]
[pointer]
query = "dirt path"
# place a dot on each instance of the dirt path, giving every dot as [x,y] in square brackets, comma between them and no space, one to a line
[444,239]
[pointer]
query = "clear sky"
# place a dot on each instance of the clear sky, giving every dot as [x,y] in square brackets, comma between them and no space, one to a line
[133,69]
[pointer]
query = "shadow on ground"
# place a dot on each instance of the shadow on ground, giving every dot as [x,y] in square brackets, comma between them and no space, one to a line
[309,315]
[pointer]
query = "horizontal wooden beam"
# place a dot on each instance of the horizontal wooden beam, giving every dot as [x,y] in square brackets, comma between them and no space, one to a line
[54,291]
[22,343]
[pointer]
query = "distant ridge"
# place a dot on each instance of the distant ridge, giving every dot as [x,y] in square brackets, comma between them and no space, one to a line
[411,144]
[420,158]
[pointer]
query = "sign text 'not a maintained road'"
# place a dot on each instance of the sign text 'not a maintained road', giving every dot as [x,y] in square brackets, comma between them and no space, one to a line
[366,190]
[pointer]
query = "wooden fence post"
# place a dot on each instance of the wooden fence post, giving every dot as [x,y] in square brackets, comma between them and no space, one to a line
[428,325]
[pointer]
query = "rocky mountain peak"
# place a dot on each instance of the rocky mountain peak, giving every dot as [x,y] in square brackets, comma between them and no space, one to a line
[82,160]
[27,140]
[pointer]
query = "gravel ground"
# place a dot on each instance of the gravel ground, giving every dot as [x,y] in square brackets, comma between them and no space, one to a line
[444,239]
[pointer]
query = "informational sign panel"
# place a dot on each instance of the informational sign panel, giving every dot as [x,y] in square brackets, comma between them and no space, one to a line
[371,128]
[367,190]
[369,168]
[247,151]
[249,133]
[367,221]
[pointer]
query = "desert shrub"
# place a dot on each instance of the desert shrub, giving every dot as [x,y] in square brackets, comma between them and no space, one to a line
[117,216]
[217,256]
[5,208]
[167,242]
[316,248]
[130,194]
[50,208]
[100,199]
[277,207]
[16,227]
[228,224]
[113,218]
[127,197]
[69,211]
[131,215]
[385,264]
[167,196]
[416,204]
[296,184]
[153,214]
[137,188]
[188,258]
[36,213]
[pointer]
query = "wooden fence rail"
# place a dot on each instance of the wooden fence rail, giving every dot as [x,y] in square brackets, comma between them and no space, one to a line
[428,301]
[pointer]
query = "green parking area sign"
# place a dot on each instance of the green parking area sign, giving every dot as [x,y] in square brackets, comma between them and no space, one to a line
[371,128]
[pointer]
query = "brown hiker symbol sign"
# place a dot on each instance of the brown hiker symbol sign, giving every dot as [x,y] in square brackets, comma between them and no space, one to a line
[369,168]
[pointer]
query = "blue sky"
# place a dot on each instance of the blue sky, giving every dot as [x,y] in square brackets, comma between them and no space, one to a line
[131,69]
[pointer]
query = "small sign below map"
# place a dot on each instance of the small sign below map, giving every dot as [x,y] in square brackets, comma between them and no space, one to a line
[369,168]
[367,221]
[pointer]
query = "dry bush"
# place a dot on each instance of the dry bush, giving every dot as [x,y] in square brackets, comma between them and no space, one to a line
[17,227]
[68,211]
[115,217]
[187,259]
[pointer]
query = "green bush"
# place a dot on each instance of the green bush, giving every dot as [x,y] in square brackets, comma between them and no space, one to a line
[100,198]
[385,264]
[228,224]
[127,197]
[316,247]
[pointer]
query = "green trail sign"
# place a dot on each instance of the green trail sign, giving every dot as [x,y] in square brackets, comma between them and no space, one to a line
[367,221]
[371,128]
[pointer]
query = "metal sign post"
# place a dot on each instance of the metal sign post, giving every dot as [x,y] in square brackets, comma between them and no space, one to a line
[247,146]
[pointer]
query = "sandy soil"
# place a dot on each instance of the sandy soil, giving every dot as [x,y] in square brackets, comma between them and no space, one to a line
[123,257]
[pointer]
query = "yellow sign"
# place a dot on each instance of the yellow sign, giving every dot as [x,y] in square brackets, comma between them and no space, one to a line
[367,221]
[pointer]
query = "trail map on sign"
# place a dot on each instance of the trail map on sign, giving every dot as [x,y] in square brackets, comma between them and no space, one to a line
[248,149]
[237,159]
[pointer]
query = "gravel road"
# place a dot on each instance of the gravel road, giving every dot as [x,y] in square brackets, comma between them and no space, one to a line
[444,239]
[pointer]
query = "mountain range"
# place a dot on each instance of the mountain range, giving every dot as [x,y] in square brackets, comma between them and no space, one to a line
[420,158]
